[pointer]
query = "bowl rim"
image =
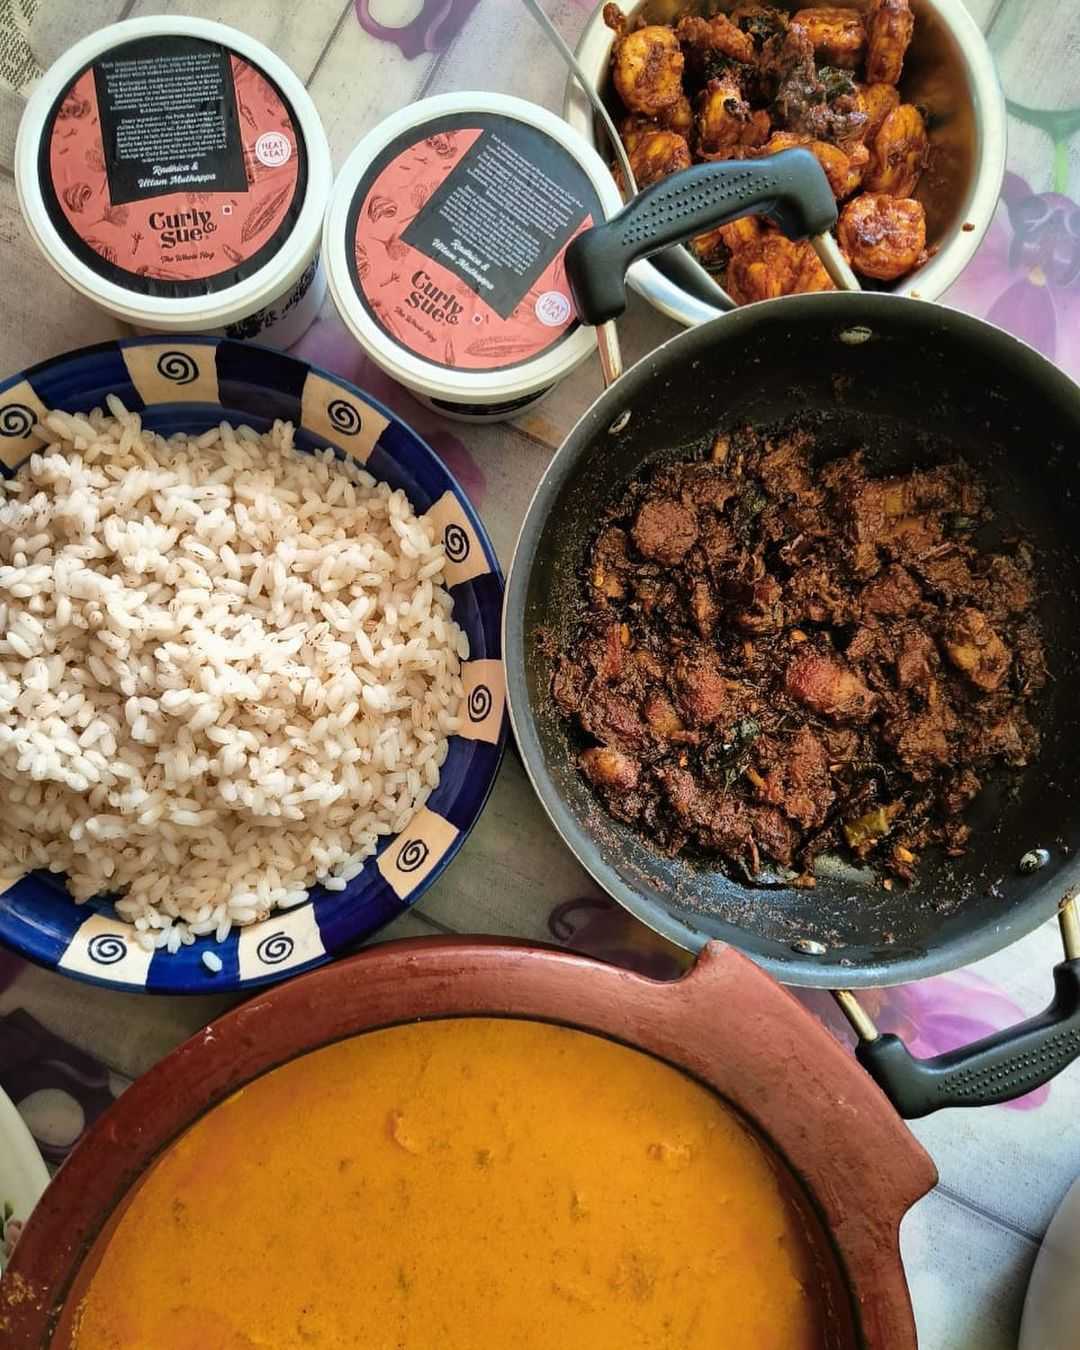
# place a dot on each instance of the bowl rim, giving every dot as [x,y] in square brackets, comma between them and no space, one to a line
[170,978]
[928,282]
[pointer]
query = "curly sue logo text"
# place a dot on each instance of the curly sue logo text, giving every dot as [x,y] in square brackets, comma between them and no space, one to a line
[182,227]
[432,300]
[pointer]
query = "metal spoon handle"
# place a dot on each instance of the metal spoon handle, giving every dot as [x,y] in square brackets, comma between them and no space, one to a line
[834,262]
[565,51]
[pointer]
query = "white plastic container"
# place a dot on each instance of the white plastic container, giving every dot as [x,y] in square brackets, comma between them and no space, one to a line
[176,172]
[444,249]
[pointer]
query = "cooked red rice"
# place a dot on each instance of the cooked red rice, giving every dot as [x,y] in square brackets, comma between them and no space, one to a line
[227,668]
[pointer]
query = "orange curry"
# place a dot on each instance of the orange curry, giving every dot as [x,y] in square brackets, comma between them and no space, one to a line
[460,1185]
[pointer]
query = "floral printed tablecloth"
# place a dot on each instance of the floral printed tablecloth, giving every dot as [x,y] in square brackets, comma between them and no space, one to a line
[66,1051]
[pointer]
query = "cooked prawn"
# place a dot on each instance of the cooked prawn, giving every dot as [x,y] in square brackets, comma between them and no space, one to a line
[889,29]
[883,236]
[679,117]
[655,153]
[772,265]
[877,101]
[647,67]
[844,167]
[756,79]
[838,35]
[898,153]
[717,34]
[713,248]
[725,122]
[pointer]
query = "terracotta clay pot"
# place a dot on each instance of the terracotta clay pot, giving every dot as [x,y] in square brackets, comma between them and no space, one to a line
[725,1023]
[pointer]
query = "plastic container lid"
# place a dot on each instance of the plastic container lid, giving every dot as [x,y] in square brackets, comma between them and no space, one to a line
[444,246]
[175,171]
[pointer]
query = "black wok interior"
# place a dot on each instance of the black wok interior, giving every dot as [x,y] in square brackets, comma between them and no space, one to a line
[915,384]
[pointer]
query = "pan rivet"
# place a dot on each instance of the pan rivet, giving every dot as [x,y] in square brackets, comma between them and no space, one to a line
[620,423]
[855,337]
[809,947]
[1034,859]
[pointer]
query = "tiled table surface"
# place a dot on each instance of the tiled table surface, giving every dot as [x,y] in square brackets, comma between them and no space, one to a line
[969,1246]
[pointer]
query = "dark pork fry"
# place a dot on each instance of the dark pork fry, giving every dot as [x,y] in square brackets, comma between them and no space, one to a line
[795,777]
[607,768]
[703,692]
[781,656]
[974,647]
[665,530]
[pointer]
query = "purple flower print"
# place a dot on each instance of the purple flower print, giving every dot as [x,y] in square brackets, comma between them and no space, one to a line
[58,1089]
[1025,276]
[328,343]
[433,29]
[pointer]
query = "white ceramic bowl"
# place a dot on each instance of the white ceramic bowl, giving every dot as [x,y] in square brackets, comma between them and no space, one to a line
[1052,1306]
[948,69]
[23,1175]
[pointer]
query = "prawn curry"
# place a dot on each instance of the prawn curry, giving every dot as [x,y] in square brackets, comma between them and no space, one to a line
[464,1184]
[758,80]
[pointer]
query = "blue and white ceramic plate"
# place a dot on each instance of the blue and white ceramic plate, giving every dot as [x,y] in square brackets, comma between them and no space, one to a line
[191,385]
